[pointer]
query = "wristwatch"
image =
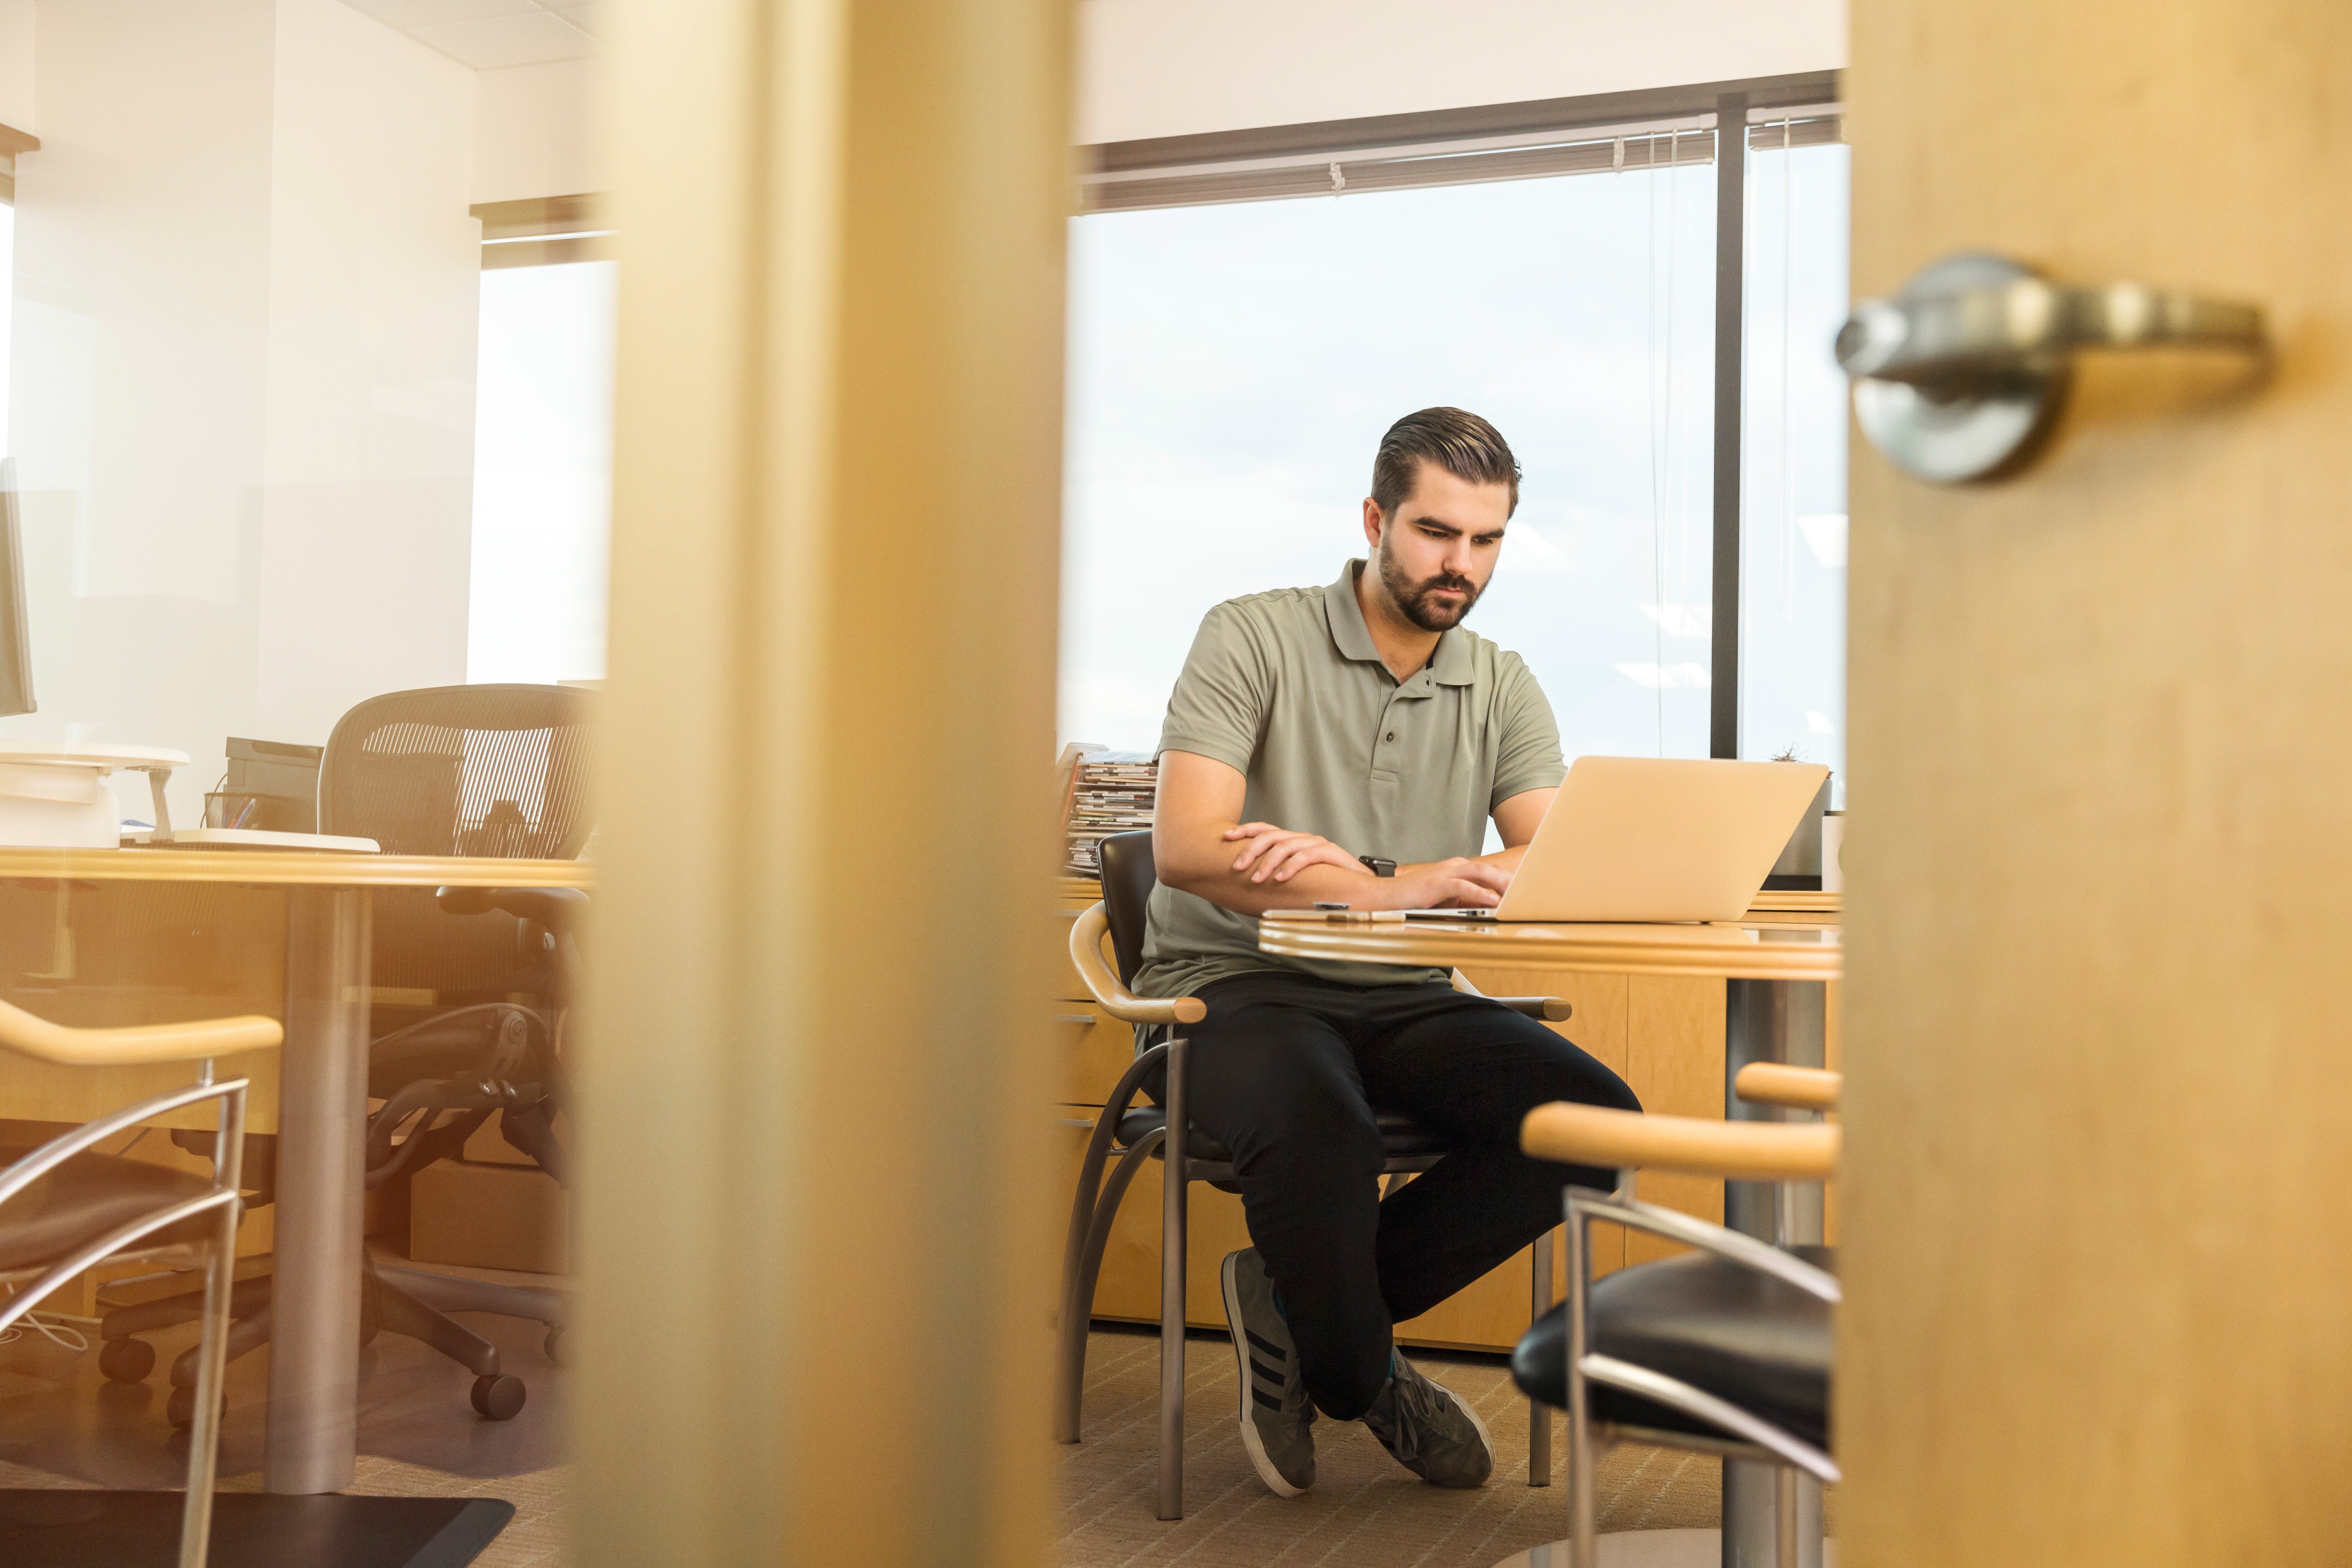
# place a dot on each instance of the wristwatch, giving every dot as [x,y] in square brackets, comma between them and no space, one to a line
[1378,867]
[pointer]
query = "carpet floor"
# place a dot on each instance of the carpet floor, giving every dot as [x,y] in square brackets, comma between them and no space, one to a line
[1365,1510]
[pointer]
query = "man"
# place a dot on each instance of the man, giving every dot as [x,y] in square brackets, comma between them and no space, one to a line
[1348,745]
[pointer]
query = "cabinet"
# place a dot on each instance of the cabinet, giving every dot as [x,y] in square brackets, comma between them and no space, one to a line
[1665,1036]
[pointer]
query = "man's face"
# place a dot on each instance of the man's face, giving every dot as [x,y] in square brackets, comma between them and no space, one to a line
[1435,555]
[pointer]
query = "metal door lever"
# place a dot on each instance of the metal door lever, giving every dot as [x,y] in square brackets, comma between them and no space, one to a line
[1961,375]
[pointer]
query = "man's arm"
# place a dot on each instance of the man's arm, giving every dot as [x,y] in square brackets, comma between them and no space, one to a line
[1197,821]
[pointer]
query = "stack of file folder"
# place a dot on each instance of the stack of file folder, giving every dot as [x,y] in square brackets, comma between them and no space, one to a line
[1111,791]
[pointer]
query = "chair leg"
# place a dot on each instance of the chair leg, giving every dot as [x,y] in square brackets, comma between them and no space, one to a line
[212,1365]
[1079,1299]
[1175,1180]
[245,1335]
[1583,1509]
[1539,1413]
[402,1313]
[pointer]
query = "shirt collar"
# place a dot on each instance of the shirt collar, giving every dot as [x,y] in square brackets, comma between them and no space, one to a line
[1451,666]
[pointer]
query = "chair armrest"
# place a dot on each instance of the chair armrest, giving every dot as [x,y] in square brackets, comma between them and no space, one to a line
[1549,1009]
[136,1045]
[559,909]
[1086,952]
[1630,1140]
[1801,1089]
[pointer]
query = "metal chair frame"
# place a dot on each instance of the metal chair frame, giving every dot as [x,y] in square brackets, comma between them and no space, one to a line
[219,1257]
[1748,1437]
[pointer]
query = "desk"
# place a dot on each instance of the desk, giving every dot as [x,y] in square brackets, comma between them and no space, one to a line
[1775,965]
[314,1340]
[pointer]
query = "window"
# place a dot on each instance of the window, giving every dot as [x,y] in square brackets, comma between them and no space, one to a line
[1233,366]
[8,308]
[1794,511]
[542,473]
[1233,362]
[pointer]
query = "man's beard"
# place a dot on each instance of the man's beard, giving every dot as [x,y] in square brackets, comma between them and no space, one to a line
[1416,599]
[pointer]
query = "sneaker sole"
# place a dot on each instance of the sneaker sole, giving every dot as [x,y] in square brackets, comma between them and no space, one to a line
[1252,1443]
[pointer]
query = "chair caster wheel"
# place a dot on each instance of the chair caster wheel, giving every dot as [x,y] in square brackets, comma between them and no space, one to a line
[180,1410]
[552,1346]
[499,1398]
[127,1361]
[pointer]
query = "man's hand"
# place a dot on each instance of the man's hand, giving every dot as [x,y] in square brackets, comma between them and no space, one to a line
[1456,884]
[1280,854]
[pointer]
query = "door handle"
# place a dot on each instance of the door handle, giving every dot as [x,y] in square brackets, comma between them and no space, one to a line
[1964,373]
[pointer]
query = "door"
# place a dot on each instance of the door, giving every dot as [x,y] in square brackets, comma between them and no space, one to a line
[2097,1255]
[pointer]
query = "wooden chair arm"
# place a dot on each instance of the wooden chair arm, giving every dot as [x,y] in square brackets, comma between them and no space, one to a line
[136,1045]
[1086,951]
[1802,1088]
[1630,1139]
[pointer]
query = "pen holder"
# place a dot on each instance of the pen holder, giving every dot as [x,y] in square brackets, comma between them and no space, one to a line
[225,809]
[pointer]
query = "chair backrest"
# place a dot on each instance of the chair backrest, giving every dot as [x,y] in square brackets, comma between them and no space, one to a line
[1129,875]
[457,770]
[463,770]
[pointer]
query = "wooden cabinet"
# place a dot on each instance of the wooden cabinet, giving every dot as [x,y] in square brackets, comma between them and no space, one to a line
[1663,1037]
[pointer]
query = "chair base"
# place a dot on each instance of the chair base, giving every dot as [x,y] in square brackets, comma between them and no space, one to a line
[407,1302]
[62,1529]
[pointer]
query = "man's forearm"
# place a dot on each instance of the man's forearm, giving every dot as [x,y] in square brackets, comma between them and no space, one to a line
[1231,889]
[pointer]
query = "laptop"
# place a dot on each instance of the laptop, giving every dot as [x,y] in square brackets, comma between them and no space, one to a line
[1656,839]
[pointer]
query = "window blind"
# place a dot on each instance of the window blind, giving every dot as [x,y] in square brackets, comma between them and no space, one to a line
[1124,181]
[542,231]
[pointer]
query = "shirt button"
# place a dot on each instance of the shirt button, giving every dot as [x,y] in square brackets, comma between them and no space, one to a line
[1391,735]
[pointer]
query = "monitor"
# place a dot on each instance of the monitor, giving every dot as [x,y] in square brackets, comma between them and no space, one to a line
[16,624]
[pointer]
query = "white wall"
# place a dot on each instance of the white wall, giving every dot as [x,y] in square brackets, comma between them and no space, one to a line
[535,131]
[1168,67]
[242,363]
[16,103]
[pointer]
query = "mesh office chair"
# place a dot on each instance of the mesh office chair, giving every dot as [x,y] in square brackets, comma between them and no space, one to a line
[1137,1134]
[1727,1348]
[477,982]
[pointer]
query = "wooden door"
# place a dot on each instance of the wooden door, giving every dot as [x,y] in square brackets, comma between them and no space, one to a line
[2097,1250]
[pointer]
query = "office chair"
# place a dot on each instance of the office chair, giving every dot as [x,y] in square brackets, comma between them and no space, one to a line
[474,984]
[64,1208]
[1726,1349]
[1136,1133]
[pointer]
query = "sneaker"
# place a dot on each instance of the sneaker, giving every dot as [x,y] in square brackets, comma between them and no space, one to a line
[1429,1431]
[1275,1411]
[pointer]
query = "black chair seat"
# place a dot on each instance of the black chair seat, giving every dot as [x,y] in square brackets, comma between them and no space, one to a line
[1746,1337]
[1400,1136]
[86,1197]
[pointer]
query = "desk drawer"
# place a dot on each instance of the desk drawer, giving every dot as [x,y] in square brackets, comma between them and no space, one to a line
[1093,1048]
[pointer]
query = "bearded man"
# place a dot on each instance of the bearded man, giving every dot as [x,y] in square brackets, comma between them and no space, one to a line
[1348,745]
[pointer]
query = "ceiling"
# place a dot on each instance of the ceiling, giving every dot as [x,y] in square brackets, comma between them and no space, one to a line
[490,34]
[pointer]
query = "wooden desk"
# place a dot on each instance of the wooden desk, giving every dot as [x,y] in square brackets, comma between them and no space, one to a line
[1663,1029]
[321,1105]
[1776,966]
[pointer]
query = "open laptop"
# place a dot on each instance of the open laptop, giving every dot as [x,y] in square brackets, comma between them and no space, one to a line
[1645,839]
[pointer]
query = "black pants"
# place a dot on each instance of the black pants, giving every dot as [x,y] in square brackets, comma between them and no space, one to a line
[1285,1072]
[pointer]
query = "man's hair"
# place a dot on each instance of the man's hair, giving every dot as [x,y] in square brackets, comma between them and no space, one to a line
[1457,441]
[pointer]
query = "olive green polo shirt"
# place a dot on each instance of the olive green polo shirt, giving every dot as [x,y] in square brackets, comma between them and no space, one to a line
[1287,688]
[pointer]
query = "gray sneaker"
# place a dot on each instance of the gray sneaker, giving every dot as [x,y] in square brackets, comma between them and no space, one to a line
[1429,1431]
[1275,1411]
